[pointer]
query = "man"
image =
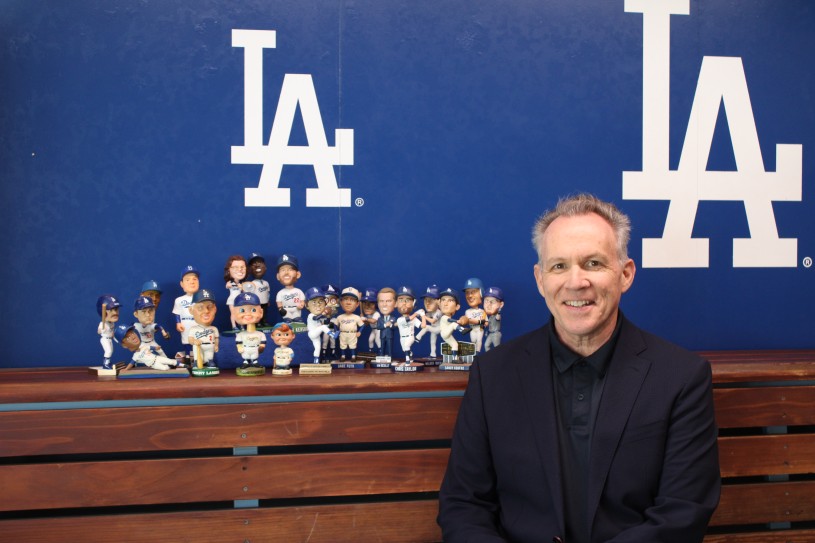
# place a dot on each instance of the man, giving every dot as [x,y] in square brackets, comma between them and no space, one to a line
[588,429]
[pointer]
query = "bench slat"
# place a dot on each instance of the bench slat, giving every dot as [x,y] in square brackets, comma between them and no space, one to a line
[130,482]
[394,522]
[777,536]
[771,406]
[765,502]
[767,455]
[30,433]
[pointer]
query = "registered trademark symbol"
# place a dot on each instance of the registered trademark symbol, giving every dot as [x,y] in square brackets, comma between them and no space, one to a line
[359,202]
[807,261]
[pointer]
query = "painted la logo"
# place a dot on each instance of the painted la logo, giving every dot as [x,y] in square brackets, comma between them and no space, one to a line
[721,80]
[297,89]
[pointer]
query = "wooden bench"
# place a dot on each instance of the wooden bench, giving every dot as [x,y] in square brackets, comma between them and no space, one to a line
[357,456]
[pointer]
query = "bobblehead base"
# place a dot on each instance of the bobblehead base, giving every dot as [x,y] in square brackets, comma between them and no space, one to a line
[143,372]
[251,371]
[348,365]
[315,369]
[101,371]
[281,371]
[429,361]
[205,372]
[407,367]
[460,361]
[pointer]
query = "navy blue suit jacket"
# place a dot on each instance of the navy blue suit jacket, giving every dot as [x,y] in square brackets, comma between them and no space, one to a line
[654,465]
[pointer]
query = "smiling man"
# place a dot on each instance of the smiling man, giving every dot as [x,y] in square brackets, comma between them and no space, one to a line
[588,429]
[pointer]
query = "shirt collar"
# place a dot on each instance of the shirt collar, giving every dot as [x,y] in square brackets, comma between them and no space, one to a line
[565,358]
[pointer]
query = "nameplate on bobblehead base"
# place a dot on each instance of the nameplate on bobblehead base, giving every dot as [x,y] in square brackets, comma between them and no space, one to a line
[429,361]
[381,362]
[315,369]
[407,367]
[348,365]
[281,371]
[205,372]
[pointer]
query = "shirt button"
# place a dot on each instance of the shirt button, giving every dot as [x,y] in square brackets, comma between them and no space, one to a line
[580,397]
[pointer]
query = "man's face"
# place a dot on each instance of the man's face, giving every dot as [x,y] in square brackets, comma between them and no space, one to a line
[368,307]
[204,312]
[582,280]
[492,305]
[189,283]
[112,315]
[145,316]
[431,304]
[287,275]
[448,305]
[153,295]
[385,302]
[258,268]
[316,306]
[349,304]
[282,338]
[404,304]
[131,341]
[473,296]
[248,314]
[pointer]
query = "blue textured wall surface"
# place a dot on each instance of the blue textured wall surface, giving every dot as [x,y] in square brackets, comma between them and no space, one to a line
[118,121]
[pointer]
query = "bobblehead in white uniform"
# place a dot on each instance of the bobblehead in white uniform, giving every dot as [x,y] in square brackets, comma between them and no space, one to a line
[315,323]
[250,342]
[473,293]
[371,315]
[405,324]
[108,308]
[145,312]
[202,333]
[431,318]
[181,307]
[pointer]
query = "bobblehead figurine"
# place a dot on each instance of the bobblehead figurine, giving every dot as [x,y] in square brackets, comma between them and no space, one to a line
[475,316]
[349,324]
[370,315]
[282,336]
[234,274]
[317,324]
[431,318]
[151,290]
[251,341]
[257,267]
[108,308]
[405,302]
[449,304]
[144,355]
[493,304]
[145,312]
[181,307]
[386,302]
[290,299]
[332,304]
[203,335]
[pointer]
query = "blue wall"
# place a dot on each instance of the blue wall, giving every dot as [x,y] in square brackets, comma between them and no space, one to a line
[118,120]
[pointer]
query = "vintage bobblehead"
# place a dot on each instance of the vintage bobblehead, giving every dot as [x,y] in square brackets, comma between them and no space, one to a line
[251,341]
[349,325]
[203,335]
[493,304]
[282,336]
[370,315]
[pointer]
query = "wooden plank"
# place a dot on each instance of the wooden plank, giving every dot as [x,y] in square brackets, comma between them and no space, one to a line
[767,406]
[78,431]
[131,482]
[761,366]
[394,522]
[777,536]
[766,502]
[77,385]
[767,455]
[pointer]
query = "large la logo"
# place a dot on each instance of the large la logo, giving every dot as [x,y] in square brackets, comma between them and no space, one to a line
[297,89]
[721,80]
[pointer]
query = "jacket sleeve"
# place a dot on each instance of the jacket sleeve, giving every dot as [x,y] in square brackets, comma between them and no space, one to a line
[690,483]
[468,501]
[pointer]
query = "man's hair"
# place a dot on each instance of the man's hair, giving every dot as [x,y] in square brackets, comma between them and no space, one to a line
[584,204]
[386,290]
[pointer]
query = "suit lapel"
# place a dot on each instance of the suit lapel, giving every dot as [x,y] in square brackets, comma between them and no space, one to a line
[535,375]
[626,373]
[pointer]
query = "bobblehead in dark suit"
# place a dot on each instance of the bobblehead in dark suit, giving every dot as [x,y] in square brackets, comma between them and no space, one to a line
[653,475]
